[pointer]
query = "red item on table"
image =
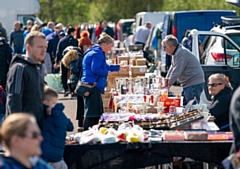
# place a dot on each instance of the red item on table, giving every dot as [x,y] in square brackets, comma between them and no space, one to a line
[152,99]
[145,98]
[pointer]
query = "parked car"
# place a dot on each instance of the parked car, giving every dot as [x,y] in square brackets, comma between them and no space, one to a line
[216,48]
[177,23]
[123,29]
[226,67]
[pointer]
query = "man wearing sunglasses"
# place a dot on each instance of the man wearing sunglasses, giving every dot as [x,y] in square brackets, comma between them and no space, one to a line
[186,68]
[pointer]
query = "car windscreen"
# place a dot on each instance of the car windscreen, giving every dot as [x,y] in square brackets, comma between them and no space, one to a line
[235,38]
[126,28]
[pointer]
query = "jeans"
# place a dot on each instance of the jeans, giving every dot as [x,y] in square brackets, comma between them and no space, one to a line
[64,76]
[18,50]
[192,92]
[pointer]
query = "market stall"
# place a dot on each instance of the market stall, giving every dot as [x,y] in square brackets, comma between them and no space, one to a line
[146,125]
[139,155]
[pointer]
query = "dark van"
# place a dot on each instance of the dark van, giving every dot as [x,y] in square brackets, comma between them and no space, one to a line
[178,22]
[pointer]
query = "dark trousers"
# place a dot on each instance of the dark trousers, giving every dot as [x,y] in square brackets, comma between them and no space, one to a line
[89,122]
[18,50]
[64,77]
[80,110]
[93,108]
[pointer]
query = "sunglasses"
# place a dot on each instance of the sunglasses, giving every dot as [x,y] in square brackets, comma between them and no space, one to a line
[214,84]
[33,135]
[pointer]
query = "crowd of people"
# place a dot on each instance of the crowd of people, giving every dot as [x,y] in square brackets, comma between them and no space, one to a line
[33,107]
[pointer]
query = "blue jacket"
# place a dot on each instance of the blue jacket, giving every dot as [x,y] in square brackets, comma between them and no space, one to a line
[95,65]
[11,163]
[53,40]
[54,134]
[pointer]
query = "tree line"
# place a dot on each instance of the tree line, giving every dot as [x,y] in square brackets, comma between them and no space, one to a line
[93,11]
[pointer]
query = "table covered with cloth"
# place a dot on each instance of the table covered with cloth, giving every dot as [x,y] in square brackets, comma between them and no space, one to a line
[139,155]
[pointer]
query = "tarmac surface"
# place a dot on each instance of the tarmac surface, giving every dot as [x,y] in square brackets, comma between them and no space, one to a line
[71,106]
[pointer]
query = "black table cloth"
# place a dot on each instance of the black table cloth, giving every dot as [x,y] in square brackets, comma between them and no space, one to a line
[139,155]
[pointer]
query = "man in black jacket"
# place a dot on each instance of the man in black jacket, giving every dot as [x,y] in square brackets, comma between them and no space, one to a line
[5,59]
[68,40]
[108,30]
[25,81]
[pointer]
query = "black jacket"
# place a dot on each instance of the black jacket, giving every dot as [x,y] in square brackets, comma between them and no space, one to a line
[220,108]
[108,30]
[5,59]
[235,119]
[63,43]
[25,83]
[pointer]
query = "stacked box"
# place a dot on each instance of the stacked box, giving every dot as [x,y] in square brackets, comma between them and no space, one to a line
[122,58]
[141,62]
[139,69]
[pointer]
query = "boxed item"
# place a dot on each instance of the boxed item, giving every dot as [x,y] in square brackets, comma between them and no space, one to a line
[196,135]
[123,72]
[138,57]
[139,69]
[141,62]
[122,58]
[134,62]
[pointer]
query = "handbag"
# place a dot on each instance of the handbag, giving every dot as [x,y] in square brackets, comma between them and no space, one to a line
[84,89]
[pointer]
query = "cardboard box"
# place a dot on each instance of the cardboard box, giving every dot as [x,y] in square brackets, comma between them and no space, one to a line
[139,69]
[141,62]
[134,62]
[105,102]
[122,58]
[112,73]
[123,72]
[106,95]
[138,57]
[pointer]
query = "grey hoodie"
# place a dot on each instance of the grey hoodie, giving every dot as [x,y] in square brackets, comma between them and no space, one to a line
[25,83]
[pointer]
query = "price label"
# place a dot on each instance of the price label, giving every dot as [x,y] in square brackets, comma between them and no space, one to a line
[142,69]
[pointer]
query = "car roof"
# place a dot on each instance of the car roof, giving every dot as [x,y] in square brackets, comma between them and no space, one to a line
[225,30]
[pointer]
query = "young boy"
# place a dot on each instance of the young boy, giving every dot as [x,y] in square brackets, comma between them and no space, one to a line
[54,130]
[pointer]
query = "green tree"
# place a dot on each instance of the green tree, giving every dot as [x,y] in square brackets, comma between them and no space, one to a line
[92,11]
[65,11]
[113,10]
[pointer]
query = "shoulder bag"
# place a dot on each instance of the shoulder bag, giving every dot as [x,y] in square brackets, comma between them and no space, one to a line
[85,89]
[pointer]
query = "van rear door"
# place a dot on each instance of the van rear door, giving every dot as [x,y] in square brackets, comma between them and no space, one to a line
[232,72]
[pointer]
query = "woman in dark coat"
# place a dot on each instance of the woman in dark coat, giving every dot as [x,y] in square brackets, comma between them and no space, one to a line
[220,89]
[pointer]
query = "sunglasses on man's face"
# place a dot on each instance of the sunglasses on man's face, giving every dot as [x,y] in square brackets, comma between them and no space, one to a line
[33,135]
[214,84]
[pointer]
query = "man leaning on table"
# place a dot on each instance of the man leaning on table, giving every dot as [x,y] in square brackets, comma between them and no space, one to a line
[185,67]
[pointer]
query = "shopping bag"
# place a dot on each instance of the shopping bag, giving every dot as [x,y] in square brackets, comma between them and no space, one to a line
[231,162]
[54,81]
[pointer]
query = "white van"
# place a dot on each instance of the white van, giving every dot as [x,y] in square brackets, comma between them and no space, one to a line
[20,10]
[153,17]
